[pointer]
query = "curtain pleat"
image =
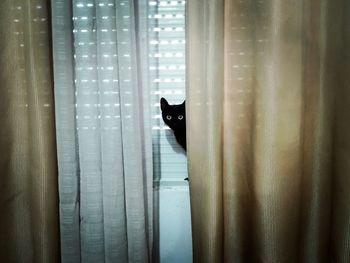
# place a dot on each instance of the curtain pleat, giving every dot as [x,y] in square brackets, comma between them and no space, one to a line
[67,149]
[268,141]
[341,143]
[104,142]
[28,167]
[205,38]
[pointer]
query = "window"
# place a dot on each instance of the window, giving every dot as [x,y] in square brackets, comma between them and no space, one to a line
[167,74]
[167,79]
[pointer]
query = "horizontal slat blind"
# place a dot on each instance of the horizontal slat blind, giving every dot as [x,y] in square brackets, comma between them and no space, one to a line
[167,79]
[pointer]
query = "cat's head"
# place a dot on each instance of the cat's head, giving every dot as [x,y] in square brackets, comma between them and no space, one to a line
[173,115]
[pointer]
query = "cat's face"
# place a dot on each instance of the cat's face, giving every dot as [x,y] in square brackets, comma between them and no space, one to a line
[173,115]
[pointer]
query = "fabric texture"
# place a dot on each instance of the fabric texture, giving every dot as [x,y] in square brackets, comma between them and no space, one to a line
[268,102]
[104,143]
[29,229]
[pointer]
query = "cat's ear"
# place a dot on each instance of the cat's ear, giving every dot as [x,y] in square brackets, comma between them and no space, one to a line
[163,104]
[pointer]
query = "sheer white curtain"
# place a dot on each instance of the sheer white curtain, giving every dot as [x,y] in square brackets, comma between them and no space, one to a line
[103,136]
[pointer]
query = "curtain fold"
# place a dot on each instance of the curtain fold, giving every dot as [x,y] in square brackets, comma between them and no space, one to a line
[104,142]
[268,138]
[28,167]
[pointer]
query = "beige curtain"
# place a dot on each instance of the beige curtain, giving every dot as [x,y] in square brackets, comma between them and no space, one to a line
[28,169]
[268,130]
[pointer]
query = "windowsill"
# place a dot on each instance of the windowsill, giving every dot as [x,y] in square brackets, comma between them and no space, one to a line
[168,182]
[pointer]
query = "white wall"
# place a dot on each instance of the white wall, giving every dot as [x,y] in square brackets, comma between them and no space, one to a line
[175,237]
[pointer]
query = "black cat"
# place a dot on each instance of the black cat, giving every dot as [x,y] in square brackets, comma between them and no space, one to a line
[174,116]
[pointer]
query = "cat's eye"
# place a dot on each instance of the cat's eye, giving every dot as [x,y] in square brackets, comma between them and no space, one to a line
[168,117]
[180,117]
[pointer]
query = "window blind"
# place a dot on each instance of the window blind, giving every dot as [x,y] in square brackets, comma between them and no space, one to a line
[167,79]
